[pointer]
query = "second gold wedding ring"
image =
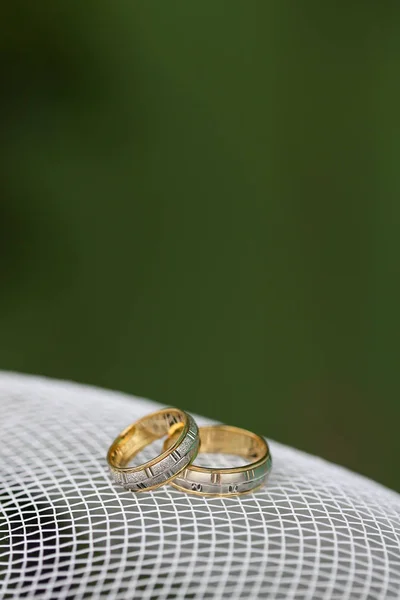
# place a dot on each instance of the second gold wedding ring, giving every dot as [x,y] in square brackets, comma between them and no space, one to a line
[165,467]
[210,481]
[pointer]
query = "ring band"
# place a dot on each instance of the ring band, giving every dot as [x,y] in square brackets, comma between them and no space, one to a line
[207,481]
[163,468]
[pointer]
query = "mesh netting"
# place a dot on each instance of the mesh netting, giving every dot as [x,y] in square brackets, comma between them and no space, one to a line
[316,531]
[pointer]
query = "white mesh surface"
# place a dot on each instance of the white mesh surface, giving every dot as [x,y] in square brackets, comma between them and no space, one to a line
[316,531]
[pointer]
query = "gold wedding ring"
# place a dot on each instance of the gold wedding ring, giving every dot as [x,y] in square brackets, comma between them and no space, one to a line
[162,469]
[209,481]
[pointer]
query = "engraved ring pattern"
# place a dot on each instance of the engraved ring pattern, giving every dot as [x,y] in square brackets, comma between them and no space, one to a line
[208,481]
[160,470]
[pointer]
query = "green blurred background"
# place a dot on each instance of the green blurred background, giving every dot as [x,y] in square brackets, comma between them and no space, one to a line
[200,204]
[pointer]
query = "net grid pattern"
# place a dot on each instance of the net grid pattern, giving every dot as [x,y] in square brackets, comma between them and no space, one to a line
[316,531]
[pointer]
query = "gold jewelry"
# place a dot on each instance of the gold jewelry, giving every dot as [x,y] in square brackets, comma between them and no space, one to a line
[208,481]
[163,468]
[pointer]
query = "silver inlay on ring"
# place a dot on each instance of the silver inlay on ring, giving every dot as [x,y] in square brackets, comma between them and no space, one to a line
[162,468]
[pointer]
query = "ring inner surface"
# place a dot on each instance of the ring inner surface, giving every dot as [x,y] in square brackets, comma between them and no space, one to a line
[231,440]
[168,422]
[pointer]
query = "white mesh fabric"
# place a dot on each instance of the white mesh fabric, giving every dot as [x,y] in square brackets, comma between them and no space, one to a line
[316,531]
